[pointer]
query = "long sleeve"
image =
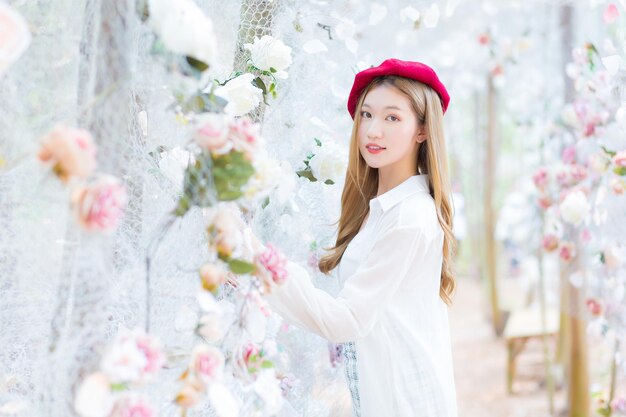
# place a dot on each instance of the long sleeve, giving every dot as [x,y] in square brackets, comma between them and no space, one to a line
[365,294]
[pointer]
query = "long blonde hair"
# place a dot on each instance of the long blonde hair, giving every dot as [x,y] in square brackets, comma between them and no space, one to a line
[361,182]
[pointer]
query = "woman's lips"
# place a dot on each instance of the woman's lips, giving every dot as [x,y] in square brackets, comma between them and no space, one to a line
[374,149]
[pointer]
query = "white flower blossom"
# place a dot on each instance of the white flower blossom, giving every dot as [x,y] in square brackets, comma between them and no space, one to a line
[242,96]
[183,28]
[94,398]
[575,208]
[267,387]
[268,52]
[329,162]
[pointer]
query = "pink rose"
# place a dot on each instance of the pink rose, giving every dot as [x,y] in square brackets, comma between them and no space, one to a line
[611,14]
[100,205]
[563,178]
[133,406]
[620,159]
[550,243]
[566,252]
[252,357]
[153,352]
[71,151]
[211,132]
[594,306]
[578,172]
[483,38]
[544,202]
[245,135]
[569,155]
[274,262]
[540,178]
[207,363]
[133,357]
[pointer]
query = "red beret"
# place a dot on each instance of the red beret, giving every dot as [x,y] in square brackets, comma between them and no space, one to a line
[408,69]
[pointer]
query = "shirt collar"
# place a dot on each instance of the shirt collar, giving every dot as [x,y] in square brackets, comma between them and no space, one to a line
[410,186]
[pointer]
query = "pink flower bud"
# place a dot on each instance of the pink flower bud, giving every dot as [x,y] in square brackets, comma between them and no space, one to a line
[71,151]
[550,243]
[611,14]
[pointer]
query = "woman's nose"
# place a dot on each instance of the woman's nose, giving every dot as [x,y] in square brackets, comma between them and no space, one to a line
[374,129]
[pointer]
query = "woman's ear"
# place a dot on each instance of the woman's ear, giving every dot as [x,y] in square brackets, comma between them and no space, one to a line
[421,136]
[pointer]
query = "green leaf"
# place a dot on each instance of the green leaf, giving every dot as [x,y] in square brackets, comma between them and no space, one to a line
[260,84]
[265,203]
[306,173]
[183,206]
[197,64]
[267,364]
[241,267]
[609,153]
[273,70]
[231,172]
[319,142]
[118,387]
[329,182]
[620,171]
[272,87]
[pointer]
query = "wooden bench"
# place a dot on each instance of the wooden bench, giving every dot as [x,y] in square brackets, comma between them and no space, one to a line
[523,325]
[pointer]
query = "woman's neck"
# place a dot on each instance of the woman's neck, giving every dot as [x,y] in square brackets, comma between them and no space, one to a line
[387,180]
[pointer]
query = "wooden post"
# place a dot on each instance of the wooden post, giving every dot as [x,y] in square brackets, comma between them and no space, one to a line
[489,174]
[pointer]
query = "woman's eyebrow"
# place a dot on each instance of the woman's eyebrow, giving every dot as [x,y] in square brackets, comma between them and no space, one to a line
[388,107]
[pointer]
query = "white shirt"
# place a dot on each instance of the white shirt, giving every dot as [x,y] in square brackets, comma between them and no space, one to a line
[389,307]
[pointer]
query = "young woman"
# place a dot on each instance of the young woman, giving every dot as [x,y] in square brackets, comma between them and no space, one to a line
[393,250]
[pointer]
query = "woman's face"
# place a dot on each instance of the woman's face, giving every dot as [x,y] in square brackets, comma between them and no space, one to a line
[388,132]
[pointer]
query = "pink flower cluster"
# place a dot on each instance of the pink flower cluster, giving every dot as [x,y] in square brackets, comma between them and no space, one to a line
[206,367]
[219,134]
[133,406]
[135,357]
[551,243]
[540,178]
[99,205]
[274,262]
[619,160]
[589,118]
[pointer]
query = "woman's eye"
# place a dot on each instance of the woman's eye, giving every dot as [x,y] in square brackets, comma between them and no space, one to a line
[392,118]
[365,114]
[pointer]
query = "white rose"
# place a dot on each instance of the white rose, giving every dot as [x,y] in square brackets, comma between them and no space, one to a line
[210,327]
[173,164]
[575,208]
[183,28]
[269,52]
[94,398]
[329,162]
[124,361]
[267,175]
[223,401]
[599,162]
[267,386]
[242,96]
